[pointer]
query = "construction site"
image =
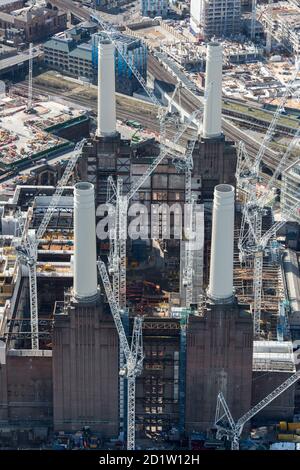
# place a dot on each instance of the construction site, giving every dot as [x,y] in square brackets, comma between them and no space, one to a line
[149,288]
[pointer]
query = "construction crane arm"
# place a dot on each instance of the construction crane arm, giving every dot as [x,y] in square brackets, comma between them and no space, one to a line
[280,167]
[137,344]
[59,189]
[114,309]
[222,411]
[267,400]
[275,118]
[136,186]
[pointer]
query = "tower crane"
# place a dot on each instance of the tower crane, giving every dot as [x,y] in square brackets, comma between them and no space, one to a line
[190,202]
[257,249]
[118,254]
[27,249]
[224,422]
[253,19]
[118,235]
[133,353]
[247,179]
[30,62]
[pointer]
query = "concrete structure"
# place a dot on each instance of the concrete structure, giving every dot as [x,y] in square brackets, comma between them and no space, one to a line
[219,358]
[85,270]
[214,158]
[220,342]
[283,20]
[106,116]
[212,119]
[160,388]
[154,8]
[221,267]
[85,345]
[215,17]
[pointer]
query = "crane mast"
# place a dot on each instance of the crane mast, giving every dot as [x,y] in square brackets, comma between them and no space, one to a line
[29,103]
[28,248]
[251,242]
[133,354]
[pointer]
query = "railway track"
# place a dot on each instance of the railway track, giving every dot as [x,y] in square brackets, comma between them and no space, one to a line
[123,109]
[271,158]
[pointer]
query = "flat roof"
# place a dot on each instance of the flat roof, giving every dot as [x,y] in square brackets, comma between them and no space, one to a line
[275,356]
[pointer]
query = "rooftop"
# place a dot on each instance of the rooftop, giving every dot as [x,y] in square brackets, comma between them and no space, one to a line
[276,356]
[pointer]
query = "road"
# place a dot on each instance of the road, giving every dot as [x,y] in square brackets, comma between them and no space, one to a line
[17,60]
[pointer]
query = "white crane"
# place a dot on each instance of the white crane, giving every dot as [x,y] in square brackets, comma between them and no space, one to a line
[118,253]
[248,175]
[224,422]
[133,354]
[30,64]
[190,203]
[28,247]
[257,250]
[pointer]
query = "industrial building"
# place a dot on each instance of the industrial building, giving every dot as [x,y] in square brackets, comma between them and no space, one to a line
[64,351]
[215,18]
[74,53]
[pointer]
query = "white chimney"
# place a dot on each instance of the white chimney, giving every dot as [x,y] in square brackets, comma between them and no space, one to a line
[212,119]
[85,269]
[221,261]
[106,119]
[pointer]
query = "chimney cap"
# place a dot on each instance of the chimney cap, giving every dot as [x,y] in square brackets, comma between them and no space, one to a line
[224,188]
[84,186]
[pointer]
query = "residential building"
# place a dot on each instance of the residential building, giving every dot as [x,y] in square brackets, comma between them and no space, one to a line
[283,20]
[154,8]
[215,18]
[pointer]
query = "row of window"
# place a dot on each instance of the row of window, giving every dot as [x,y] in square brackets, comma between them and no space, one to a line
[57,56]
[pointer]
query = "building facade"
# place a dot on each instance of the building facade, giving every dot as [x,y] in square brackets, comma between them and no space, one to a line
[154,8]
[75,54]
[215,18]
[32,23]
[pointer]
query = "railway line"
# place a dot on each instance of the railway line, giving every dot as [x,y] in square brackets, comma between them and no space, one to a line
[124,111]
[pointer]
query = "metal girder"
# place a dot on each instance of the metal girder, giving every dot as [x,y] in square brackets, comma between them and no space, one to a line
[235,429]
[133,354]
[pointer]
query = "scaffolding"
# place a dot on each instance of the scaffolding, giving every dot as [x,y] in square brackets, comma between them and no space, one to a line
[272,289]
